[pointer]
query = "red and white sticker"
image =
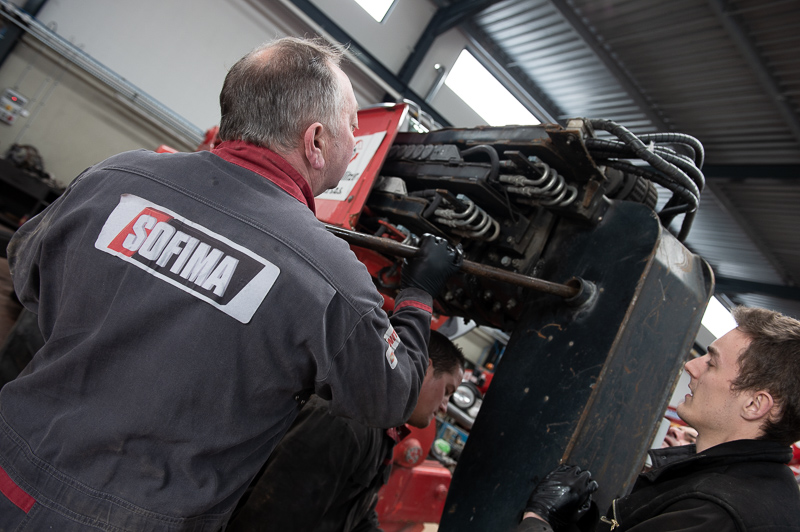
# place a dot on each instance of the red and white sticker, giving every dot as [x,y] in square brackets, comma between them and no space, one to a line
[188,256]
[363,151]
[393,340]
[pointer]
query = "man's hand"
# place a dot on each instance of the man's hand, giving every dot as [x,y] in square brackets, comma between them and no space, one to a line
[563,496]
[435,262]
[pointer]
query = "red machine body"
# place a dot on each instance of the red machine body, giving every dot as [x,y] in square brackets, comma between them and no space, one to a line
[417,487]
[377,128]
[342,206]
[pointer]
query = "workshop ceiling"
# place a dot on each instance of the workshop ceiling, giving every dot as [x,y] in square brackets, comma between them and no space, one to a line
[726,72]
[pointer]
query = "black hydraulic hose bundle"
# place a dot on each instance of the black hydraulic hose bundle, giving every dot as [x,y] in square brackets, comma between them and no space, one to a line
[674,171]
[609,148]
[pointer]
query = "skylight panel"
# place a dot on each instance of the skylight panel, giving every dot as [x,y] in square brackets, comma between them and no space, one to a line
[376,8]
[717,319]
[479,89]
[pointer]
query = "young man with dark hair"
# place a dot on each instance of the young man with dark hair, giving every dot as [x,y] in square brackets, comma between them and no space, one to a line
[189,302]
[325,474]
[744,404]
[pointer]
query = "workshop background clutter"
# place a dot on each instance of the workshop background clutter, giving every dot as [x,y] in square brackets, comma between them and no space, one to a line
[634,193]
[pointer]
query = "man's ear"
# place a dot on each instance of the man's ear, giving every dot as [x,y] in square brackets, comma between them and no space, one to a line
[430,370]
[759,405]
[313,144]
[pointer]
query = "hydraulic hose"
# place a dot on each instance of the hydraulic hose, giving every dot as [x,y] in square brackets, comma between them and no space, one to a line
[679,138]
[684,179]
[602,148]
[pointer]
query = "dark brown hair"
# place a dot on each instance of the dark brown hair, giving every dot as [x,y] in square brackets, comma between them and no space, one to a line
[445,356]
[772,362]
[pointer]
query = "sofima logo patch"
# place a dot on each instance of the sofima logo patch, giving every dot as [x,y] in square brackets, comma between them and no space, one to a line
[188,256]
[393,340]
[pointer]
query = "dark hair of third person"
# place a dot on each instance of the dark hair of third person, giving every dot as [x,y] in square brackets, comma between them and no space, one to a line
[445,356]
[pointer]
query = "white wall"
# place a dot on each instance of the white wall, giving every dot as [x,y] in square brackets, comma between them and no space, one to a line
[74,120]
[178,52]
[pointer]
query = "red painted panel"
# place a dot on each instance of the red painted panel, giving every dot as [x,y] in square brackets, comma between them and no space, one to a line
[344,213]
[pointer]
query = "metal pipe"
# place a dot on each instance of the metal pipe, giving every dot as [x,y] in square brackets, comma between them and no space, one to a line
[13,33]
[391,247]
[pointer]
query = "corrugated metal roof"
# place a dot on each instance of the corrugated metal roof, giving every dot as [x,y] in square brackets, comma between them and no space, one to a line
[724,71]
[543,45]
[718,233]
[783,306]
[690,67]
[769,209]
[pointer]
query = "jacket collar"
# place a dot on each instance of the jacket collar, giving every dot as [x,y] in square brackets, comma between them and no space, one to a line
[268,165]
[674,460]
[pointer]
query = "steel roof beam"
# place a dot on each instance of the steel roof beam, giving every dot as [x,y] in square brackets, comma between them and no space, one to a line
[741,286]
[444,19]
[755,62]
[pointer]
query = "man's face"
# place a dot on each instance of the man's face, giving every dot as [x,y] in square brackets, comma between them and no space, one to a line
[340,141]
[434,395]
[713,407]
[677,436]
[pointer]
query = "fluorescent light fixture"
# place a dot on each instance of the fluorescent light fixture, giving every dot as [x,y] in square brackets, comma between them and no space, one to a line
[717,319]
[376,8]
[488,97]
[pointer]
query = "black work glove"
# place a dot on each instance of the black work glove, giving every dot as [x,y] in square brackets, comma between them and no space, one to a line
[433,264]
[563,496]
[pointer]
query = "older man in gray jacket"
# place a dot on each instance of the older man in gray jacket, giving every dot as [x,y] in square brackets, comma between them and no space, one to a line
[189,302]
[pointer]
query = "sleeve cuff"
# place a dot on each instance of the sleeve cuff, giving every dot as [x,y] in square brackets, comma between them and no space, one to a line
[414,297]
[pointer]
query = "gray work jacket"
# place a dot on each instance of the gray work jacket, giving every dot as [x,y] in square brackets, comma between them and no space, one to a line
[185,301]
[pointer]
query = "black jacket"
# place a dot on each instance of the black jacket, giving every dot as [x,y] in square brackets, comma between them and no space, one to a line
[324,476]
[739,485]
[735,486]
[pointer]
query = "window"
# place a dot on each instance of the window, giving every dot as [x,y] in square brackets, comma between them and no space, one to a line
[717,319]
[376,8]
[488,97]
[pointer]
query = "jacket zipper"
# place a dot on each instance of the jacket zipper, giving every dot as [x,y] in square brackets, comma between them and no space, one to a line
[613,521]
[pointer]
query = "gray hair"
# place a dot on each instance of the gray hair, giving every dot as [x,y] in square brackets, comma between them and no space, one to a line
[275,92]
